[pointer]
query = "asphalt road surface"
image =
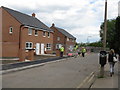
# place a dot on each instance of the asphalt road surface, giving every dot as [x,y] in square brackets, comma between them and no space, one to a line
[69,73]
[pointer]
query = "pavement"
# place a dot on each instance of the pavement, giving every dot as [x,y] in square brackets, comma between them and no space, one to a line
[107,81]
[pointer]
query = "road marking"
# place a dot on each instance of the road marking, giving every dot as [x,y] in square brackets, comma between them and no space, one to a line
[87,79]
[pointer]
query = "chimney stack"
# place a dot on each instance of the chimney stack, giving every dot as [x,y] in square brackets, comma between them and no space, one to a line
[53,25]
[33,14]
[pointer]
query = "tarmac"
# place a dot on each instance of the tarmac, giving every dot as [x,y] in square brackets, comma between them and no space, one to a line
[29,64]
[92,81]
[107,81]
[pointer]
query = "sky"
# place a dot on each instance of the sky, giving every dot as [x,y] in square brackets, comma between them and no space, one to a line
[81,18]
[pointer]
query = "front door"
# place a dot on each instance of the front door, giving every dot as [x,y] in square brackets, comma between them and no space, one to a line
[37,50]
[42,48]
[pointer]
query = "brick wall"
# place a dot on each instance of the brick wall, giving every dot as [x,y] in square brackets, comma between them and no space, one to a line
[10,42]
[36,39]
[63,40]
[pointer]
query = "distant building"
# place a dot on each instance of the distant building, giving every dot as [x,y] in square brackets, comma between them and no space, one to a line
[119,8]
[22,33]
[62,38]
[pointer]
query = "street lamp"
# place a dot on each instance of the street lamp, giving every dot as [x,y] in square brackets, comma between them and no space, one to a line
[105,27]
[88,39]
[104,39]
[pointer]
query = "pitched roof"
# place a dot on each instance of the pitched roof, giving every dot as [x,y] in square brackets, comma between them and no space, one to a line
[65,33]
[27,20]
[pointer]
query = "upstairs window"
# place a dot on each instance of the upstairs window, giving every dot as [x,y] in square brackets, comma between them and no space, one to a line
[44,34]
[73,40]
[29,31]
[48,34]
[11,30]
[36,32]
[58,38]
[68,39]
[29,45]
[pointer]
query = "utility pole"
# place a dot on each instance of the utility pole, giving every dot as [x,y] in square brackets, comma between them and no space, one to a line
[104,43]
[105,27]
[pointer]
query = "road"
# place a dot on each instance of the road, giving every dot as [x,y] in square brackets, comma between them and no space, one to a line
[64,74]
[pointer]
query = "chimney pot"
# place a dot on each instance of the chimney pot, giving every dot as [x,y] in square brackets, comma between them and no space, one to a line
[33,14]
[53,25]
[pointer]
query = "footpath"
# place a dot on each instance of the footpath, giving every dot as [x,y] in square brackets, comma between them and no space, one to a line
[107,81]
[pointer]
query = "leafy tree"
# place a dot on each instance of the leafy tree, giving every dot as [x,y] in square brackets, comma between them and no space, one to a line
[82,44]
[117,34]
[110,32]
[96,44]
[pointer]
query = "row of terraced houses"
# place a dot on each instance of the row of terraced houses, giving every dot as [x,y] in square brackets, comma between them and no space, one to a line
[23,35]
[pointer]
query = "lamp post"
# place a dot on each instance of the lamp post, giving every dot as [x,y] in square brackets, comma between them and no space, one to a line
[88,39]
[104,41]
[105,27]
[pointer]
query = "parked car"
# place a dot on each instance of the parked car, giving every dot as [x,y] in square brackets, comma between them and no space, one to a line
[72,54]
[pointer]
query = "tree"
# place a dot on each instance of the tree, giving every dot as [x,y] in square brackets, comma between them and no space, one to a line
[110,32]
[96,44]
[117,34]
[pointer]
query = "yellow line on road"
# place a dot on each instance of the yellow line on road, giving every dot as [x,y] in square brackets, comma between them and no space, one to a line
[87,79]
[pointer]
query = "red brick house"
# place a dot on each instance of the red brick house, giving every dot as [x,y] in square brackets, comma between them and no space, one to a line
[62,38]
[22,34]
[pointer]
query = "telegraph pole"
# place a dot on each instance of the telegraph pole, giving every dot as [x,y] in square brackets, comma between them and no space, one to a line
[105,27]
[104,40]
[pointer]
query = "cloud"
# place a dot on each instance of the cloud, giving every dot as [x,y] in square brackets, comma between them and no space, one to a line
[82,18]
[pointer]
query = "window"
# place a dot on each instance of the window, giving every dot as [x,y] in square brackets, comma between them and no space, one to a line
[48,46]
[29,45]
[58,38]
[44,34]
[48,34]
[67,39]
[29,31]
[36,32]
[58,46]
[11,30]
[73,40]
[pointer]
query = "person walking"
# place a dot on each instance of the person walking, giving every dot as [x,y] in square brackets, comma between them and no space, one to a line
[83,52]
[111,56]
[61,51]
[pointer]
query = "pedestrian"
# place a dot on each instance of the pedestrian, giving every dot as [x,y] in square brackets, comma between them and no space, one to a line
[111,56]
[79,52]
[61,51]
[83,51]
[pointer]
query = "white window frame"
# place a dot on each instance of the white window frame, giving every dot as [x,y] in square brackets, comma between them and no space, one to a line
[29,31]
[58,46]
[44,34]
[11,30]
[58,38]
[48,34]
[73,40]
[29,47]
[68,39]
[36,34]
[48,46]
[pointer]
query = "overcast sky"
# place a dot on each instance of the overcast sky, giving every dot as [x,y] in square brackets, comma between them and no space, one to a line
[81,18]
